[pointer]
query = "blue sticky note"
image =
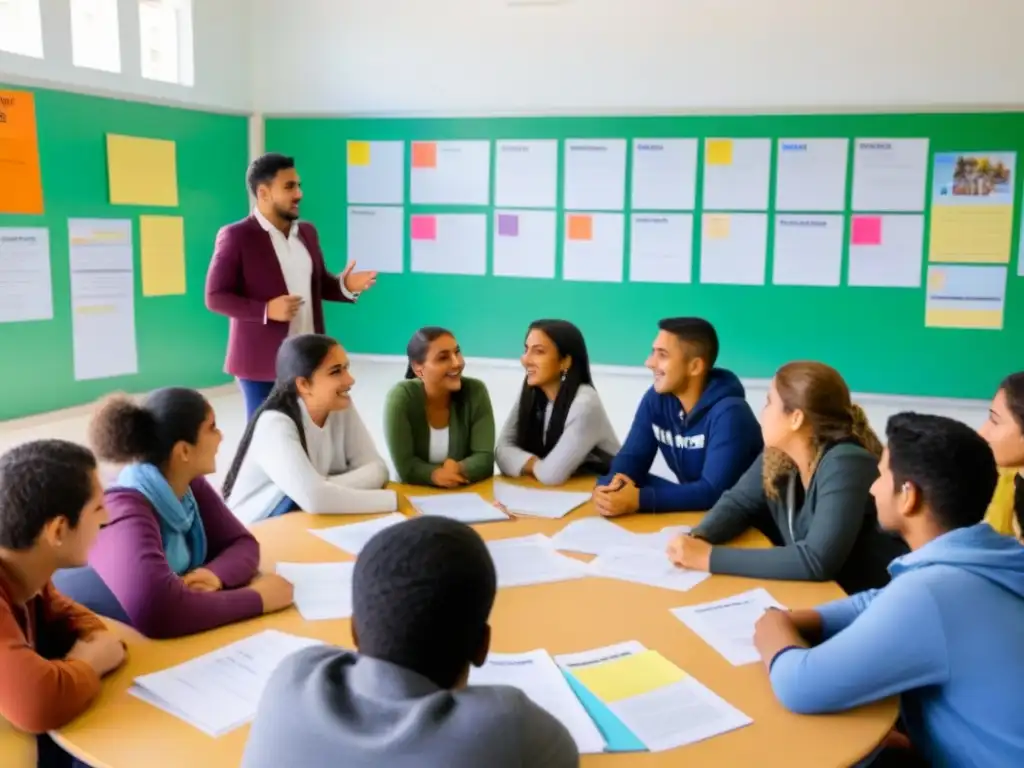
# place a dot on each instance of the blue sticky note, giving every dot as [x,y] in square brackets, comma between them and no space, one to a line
[618,738]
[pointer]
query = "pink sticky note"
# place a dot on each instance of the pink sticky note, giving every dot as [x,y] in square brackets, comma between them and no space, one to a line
[424,228]
[867,230]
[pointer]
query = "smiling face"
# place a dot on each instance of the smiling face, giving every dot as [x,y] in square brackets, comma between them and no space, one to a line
[673,365]
[201,458]
[329,388]
[282,194]
[1003,434]
[541,360]
[442,368]
[72,544]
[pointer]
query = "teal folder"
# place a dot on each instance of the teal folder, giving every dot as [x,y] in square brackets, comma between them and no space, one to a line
[618,738]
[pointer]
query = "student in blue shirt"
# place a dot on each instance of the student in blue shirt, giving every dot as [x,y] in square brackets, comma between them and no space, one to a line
[946,634]
[696,415]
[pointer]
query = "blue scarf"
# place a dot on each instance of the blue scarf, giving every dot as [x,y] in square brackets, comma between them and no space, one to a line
[181,527]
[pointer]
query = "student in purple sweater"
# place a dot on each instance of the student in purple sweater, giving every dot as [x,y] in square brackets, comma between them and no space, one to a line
[173,556]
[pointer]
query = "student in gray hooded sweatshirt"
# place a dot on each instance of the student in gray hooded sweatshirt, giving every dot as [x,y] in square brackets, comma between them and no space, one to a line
[422,593]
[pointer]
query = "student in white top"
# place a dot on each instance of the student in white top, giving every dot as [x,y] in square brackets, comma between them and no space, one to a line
[558,427]
[306,447]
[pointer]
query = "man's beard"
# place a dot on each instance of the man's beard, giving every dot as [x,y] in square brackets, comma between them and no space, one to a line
[285,213]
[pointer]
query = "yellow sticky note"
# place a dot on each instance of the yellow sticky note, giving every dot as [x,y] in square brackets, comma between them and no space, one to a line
[971,234]
[359,153]
[719,151]
[716,226]
[162,244]
[142,171]
[981,319]
[936,279]
[629,676]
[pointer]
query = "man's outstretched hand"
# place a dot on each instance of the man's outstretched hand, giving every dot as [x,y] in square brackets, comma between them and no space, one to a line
[357,282]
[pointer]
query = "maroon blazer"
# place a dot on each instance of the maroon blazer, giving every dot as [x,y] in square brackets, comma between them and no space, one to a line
[244,275]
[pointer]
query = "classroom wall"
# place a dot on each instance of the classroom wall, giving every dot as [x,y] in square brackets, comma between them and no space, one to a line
[489,56]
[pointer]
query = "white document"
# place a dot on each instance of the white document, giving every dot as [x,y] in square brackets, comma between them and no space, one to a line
[376,172]
[661,248]
[808,250]
[525,243]
[322,590]
[727,625]
[526,173]
[26,284]
[959,292]
[536,674]
[596,535]
[664,174]
[644,566]
[595,174]
[102,298]
[221,690]
[532,560]
[465,507]
[449,243]
[354,536]
[889,174]
[537,502]
[734,248]
[376,238]
[593,252]
[811,175]
[460,174]
[893,260]
[737,174]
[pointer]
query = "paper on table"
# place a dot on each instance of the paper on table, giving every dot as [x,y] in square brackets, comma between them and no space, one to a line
[353,537]
[536,674]
[594,535]
[322,590]
[537,502]
[532,560]
[640,565]
[220,691]
[727,625]
[465,507]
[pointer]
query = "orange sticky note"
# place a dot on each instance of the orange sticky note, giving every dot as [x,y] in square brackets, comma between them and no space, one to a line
[424,154]
[581,227]
[21,190]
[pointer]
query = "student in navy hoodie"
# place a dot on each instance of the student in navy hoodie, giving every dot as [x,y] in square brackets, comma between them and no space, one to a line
[946,634]
[696,415]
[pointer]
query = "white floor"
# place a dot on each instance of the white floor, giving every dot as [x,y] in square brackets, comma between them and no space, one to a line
[620,389]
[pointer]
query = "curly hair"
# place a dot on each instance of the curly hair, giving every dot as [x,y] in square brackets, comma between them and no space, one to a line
[123,431]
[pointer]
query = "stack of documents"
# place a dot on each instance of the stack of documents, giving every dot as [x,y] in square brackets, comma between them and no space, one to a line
[322,590]
[467,508]
[644,567]
[532,560]
[727,625]
[595,535]
[537,502]
[536,675]
[354,536]
[220,691]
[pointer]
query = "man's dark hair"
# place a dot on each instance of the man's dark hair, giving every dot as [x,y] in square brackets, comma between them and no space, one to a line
[263,169]
[698,333]
[39,482]
[949,463]
[422,592]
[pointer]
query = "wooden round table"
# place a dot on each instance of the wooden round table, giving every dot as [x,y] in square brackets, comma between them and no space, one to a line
[121,731]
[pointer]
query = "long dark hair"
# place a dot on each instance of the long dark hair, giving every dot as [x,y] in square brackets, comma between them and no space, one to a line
[298,357]
[1013,387]
[418,346]
[568,341]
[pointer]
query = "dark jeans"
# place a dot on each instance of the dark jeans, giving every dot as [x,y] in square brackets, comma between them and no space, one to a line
[84,586]
[52,756]
[254,393]
[283,507]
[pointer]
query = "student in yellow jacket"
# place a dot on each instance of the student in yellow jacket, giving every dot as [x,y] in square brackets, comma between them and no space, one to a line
[1004,431]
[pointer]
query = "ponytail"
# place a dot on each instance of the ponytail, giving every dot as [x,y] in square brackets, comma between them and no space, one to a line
[409,372]
[861,431]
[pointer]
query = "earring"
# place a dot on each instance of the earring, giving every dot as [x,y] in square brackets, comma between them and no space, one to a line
[564,374]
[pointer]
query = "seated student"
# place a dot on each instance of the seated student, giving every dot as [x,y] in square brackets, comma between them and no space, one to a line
[946,635]
[558,426]
[173,556]
[306,447]
[809,492]
[439,424]
[1004,432]
[699,419]
[422,592]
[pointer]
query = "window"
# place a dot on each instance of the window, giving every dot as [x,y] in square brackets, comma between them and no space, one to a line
[95,35]
[21,28]
[165,40]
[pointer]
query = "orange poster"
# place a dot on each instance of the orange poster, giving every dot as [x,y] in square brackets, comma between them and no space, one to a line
[22,188]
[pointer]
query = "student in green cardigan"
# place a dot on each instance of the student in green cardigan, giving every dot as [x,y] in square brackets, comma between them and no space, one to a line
[438,423]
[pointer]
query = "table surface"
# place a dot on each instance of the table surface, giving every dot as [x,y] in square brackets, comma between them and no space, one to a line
[120,731]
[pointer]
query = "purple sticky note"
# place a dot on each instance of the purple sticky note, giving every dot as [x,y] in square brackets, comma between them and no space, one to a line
[508,225]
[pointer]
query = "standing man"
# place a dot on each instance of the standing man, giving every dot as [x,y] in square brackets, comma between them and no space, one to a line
[268,276]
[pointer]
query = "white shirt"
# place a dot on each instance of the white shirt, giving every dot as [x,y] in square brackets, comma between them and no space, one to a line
[438,450]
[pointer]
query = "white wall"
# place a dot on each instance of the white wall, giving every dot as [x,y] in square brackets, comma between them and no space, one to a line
[222,40]
[484,57]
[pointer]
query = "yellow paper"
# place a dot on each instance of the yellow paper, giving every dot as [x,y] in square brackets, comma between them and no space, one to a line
[631,676]
[359,153]
[964,318]
[142,171]
[971,234]
[162,244]
[716,226]
[719,151]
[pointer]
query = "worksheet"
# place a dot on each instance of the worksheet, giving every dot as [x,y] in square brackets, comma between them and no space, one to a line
[594,535]
[354,536]
[532,560]
[322,590]
[644,566]
[727,625]
[467,508]
[537,502]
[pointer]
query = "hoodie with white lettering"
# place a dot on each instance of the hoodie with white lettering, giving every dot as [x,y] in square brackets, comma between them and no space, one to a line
[707,449]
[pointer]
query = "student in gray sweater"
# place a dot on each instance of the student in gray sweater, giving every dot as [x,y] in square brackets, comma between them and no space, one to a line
[809,493]
[422,592]
[558,427]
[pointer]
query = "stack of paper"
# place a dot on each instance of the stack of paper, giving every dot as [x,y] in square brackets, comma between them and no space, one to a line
[644,567]
[594,535]
[536,675]
[354,536]
[727,625]
[322,590]
[467,508]
[532,560]
[536,502]
[220,691]
[639,699]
